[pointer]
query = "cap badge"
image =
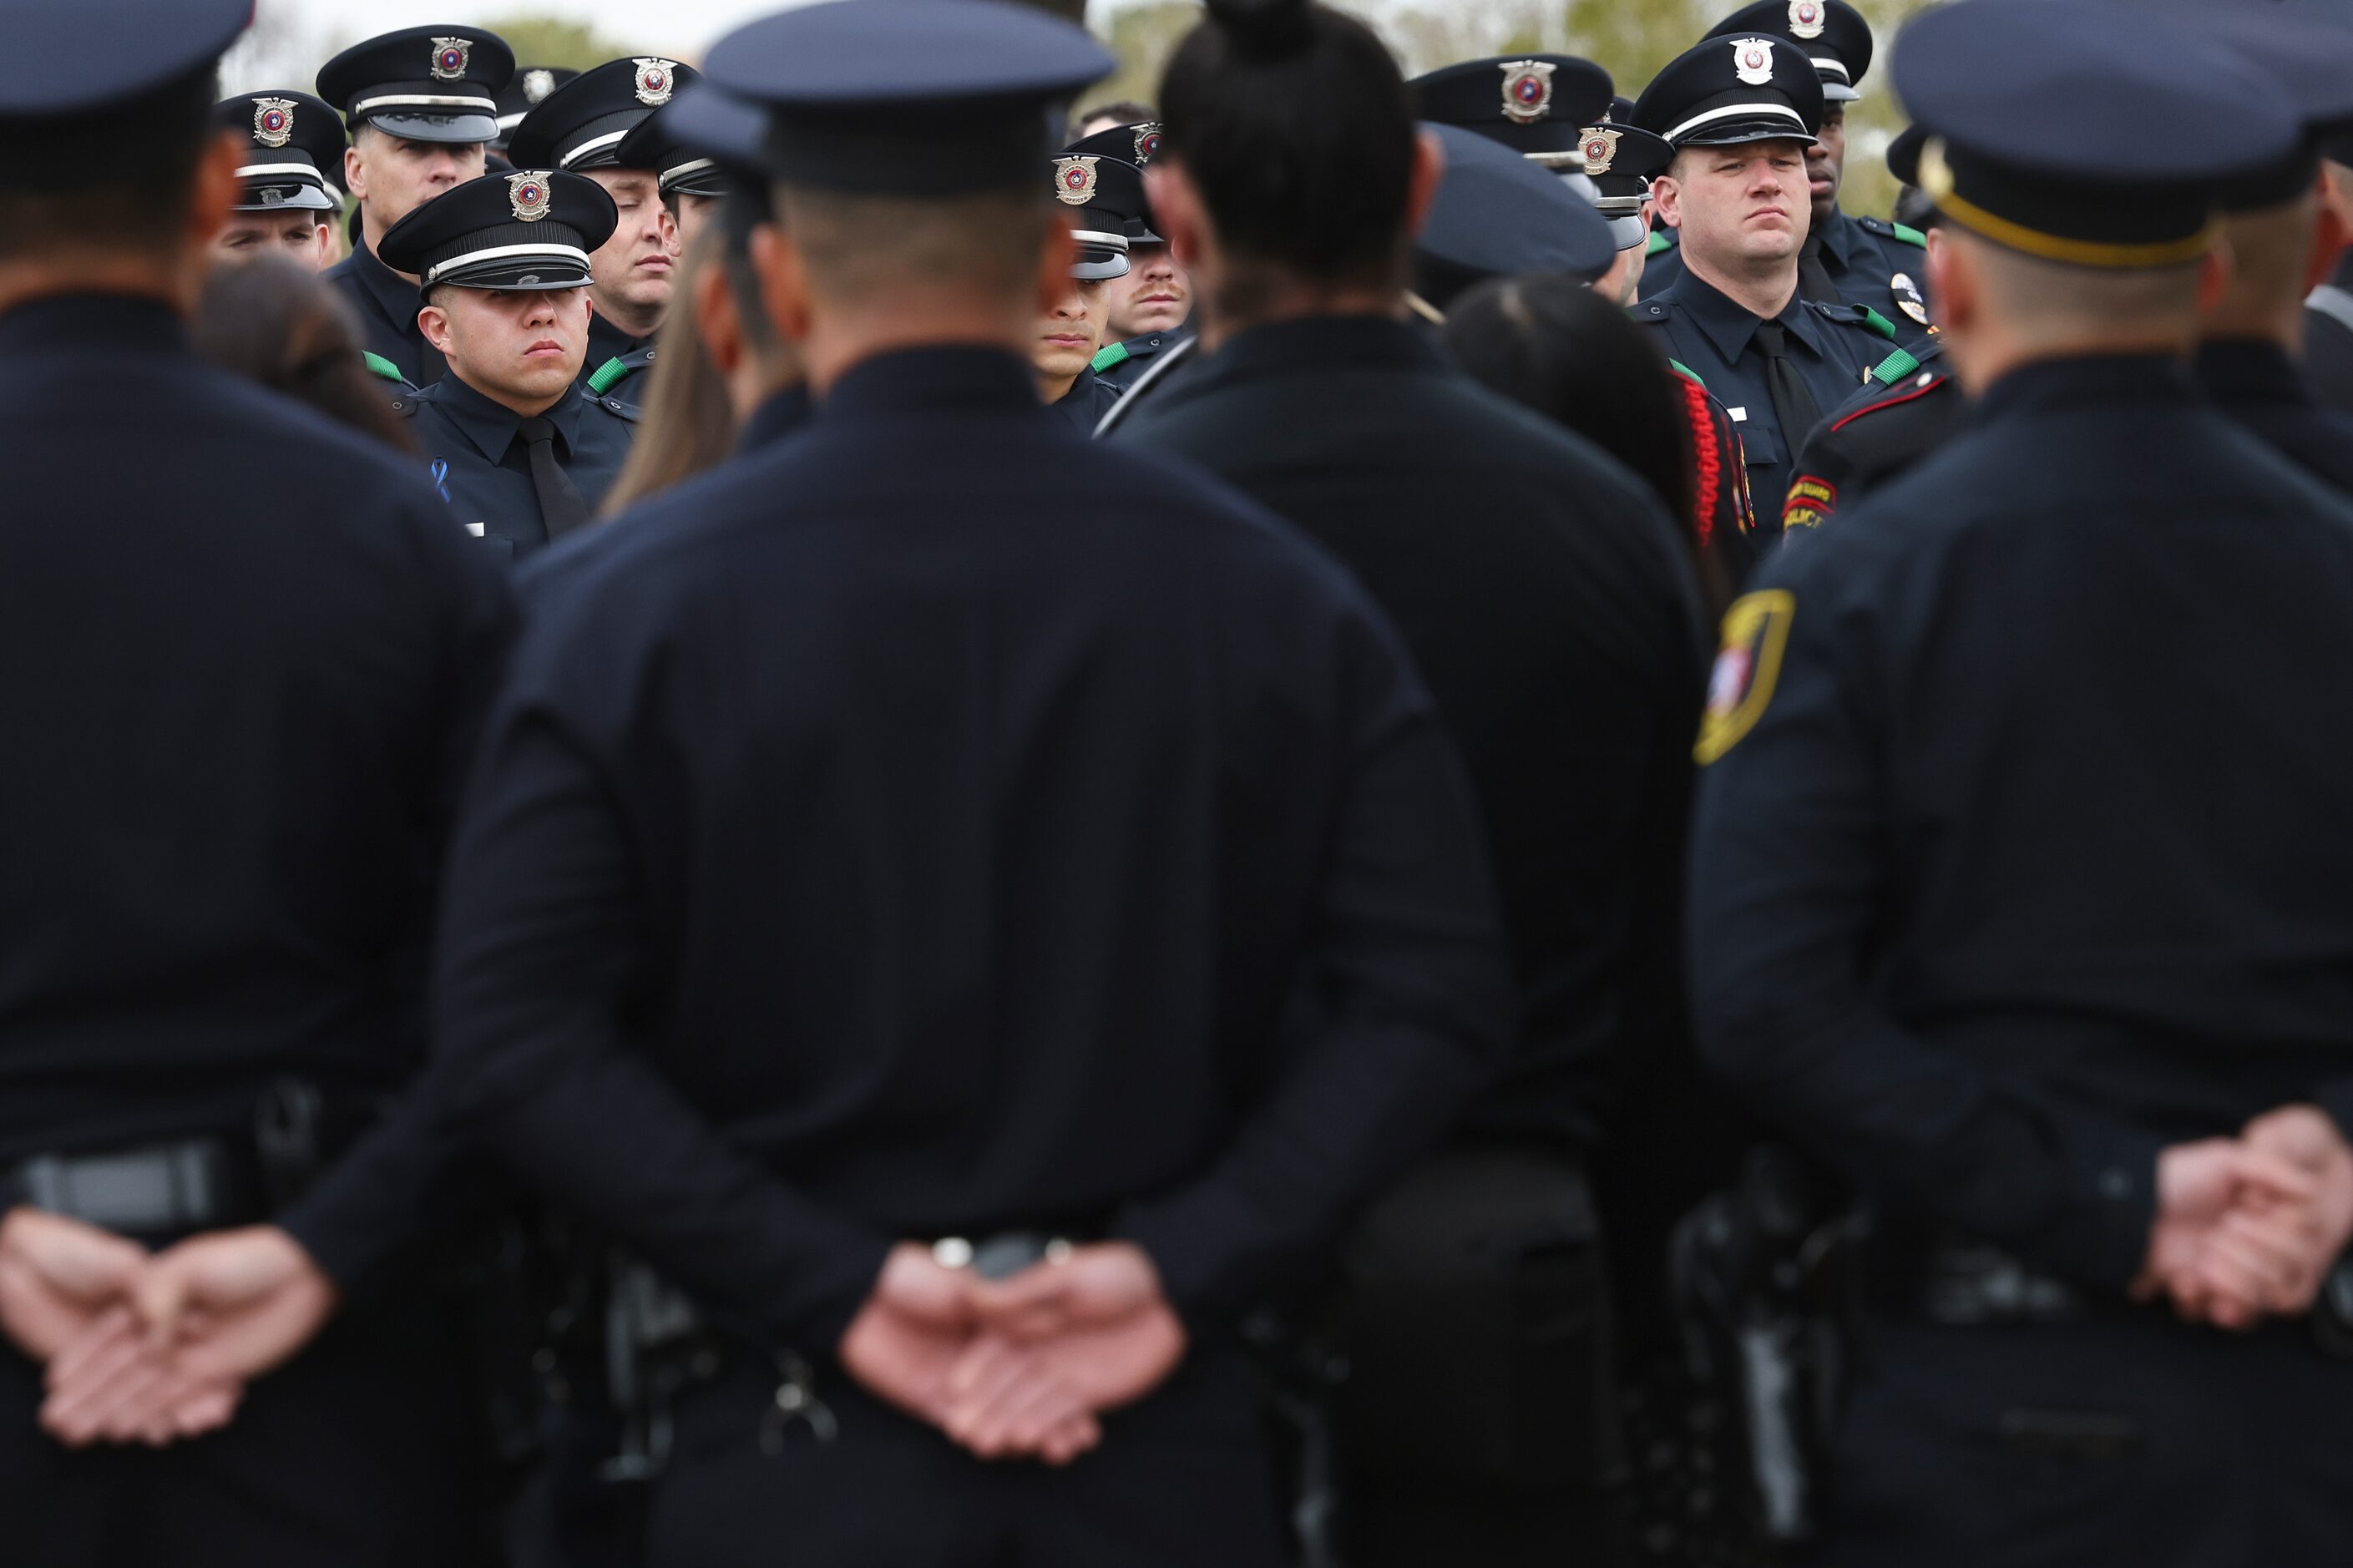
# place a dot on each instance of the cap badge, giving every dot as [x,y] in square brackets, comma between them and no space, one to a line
[656,81]
[527,192]
[537,84]
[1527,90]
[449,57]
[273,121]
[1806,18]
[1751,60]
[1600,146]
[1147,141]
[1074,180]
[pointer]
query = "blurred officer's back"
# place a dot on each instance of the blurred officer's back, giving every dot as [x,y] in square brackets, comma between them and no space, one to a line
[236,718]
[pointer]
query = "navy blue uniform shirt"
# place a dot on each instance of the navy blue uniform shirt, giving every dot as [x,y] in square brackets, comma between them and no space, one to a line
[2260,387]
[479,464]
[616,362]
[1087,401]
[243,660]
[1037,835]
[386,304]
[1714,338]
[1123,362]
[2023,852]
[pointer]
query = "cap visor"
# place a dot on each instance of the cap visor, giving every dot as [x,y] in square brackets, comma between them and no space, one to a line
[304,198]
[1097,268]
[512,275]
[456,129]
[1739,132]
[1839,92]
[1627,233]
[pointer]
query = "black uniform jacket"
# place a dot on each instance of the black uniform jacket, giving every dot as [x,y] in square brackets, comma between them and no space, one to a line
[1037,836]
[479,464]
[2328,342]
[1714,338]
[1549,599]
[1911,408]
[243,660]
[2024,853]
[1123,362]
[1087,401]
[2268,394]
[386,304]
[616,362]
[1870,262]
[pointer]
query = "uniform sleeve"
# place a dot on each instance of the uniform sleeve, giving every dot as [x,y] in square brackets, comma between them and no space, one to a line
[545,937]
[1790,894]
[1411,1005]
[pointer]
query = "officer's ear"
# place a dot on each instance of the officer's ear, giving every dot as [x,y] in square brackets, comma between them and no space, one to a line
[355,169]
[434,323]
[322,246]
[784,281]
[215,189]
[1667,196]
[1421,182]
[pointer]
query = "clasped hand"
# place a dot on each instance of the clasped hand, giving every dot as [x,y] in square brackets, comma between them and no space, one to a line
[2247,1228]
[1019,1368]
[149,1348]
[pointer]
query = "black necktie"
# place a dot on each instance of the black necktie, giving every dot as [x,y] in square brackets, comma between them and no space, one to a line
[1813,277]
[1793,400]
[560,506]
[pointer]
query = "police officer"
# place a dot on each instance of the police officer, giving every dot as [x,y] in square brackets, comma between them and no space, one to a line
[691,184]
[580,127]
[1865,261]
[1150,309]
[1549,597]
[1495,214]
[521,452]
[290,194]
[1102,199]
[1740,113]
[237,721]
[421,104]
[2272,227]
[883,871]
[2019,868]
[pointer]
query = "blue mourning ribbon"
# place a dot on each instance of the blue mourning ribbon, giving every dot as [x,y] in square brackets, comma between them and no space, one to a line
[441,472]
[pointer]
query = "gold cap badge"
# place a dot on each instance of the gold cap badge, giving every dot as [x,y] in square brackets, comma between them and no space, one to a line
[1074,180]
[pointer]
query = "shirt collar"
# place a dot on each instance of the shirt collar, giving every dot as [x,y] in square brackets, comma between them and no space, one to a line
[2250,369]
[959,376]
[1730,326]
[1839,237]
[784,413]
[492,426]
[86,322]
[2134,380]
[608,342]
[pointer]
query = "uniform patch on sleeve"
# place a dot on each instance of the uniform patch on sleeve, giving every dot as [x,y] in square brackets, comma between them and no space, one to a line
[1808,501]
[1755,631]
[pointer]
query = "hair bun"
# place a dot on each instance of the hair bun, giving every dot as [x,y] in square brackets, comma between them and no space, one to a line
[1268,28]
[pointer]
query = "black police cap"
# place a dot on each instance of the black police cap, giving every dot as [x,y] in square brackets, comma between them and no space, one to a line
[74,57]
[1834,34]
[581,124]
[2081,134]
[1138,143]
[680,170]
[533,228]
[435,83]
[1119,186]
[2308,55]
[1903,154]
[525,92]
[856,93]
[1621,160]
[1100,197]
[1533,104]
[1495,215]
[1723,91]
[295,151]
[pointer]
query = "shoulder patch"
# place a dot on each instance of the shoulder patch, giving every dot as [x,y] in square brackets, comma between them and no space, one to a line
[1809,500]
[1115,354]
[1755,633]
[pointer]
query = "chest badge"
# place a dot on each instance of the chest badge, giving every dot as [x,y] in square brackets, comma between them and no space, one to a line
[1908,298]
[1751,60]
[1600,146]
[657,80]
[1074,180]
[273,121]
[450,58]
[527,194]
[1806,18]
[1527,90]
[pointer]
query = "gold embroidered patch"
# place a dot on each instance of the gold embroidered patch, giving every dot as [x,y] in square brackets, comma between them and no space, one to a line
[1755,631]
[1808,501]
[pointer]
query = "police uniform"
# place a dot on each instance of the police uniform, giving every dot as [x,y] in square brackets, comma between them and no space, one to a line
[1867,261]
[1121,365]
[420,84]
[514,480]
[1521,563]
[1811,356]
[295,161]
[238,719]
[581,126]
[1102,199]
[1988,905]
[1045,778]
[1911,408]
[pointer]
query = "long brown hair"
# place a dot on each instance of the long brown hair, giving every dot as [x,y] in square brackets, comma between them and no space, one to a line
[688,423]
[274,321]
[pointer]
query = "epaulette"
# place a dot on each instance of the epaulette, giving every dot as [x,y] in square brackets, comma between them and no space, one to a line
[620,409]
[408,403]
[1116,353]
[1660,239]
[1887,229]
[1862,316]
[1648,310]
[619,368]
[1894,367]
